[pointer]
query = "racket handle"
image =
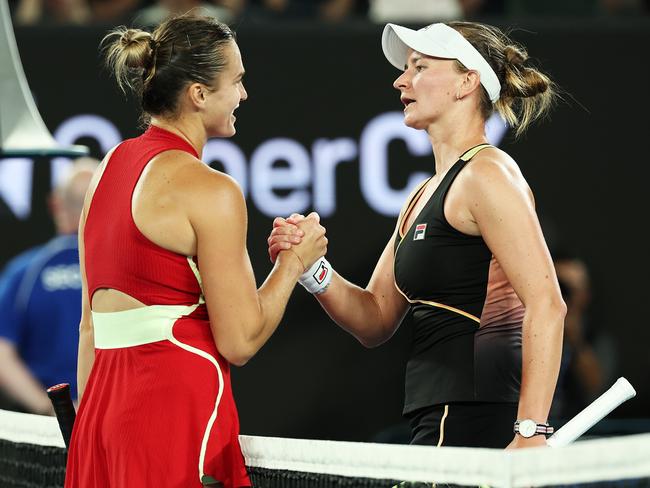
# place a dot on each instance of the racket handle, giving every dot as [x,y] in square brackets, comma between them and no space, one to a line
[63,408]
[620,392]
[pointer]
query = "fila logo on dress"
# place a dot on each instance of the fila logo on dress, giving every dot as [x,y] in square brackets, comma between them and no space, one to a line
[420,230]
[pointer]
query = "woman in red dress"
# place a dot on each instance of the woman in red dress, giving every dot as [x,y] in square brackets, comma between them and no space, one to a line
[169,295]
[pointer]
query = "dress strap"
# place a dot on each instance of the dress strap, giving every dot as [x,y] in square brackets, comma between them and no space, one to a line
[470,153]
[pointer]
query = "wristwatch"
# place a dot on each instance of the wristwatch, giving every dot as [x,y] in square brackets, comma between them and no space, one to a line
[528,428]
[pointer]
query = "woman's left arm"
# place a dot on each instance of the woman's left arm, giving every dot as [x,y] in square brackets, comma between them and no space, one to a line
[502,206]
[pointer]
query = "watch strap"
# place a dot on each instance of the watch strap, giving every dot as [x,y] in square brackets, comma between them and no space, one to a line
[544,429]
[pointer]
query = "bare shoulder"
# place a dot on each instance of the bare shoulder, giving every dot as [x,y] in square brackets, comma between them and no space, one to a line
[190,174]
[493,170]
[495,163]
[202,190]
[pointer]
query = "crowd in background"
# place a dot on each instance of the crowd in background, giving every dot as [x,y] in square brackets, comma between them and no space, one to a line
[149,12]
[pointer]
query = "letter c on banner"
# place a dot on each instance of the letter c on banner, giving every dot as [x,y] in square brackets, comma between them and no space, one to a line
[373,161]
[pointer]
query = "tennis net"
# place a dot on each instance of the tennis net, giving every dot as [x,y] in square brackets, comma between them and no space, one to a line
[32,455]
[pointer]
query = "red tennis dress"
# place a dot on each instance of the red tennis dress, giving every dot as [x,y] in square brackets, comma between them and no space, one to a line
[158,408]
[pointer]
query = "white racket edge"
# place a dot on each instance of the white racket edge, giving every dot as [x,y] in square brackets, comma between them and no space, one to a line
[619,392]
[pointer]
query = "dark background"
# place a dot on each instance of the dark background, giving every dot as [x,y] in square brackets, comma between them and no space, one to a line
[588,167]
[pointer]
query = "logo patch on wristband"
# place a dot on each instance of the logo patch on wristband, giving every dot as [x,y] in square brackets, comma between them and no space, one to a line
[420,230]
[321,273]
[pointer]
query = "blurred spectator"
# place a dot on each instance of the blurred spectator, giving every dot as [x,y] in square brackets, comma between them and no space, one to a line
[621,7]
[415,11]
[576,7]
[326,10]
[113,10]
[30,12]
[71,12]
[582,377]
[40,299]
[225,10]
[422,12]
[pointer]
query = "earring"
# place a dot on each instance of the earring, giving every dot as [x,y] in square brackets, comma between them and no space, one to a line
[458,95]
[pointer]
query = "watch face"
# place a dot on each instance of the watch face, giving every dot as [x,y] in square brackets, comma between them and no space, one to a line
[527,428]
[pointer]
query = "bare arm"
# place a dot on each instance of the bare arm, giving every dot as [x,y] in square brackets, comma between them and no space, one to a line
[373,314]
[241,316]
[18,381]
[502,206]
[86,353]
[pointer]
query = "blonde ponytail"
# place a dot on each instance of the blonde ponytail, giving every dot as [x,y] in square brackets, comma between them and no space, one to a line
[527,94]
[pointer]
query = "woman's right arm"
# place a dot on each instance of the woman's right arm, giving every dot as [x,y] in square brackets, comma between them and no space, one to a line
[242,317]
[373,314]
[370,314]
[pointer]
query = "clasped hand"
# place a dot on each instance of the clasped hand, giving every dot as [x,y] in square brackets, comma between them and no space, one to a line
[301,235]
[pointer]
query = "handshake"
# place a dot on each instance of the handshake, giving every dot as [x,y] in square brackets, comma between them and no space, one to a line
[305,238]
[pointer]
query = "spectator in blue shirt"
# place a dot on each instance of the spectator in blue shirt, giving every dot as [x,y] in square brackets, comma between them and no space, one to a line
[40,304]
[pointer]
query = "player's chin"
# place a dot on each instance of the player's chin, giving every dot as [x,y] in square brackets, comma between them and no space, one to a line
[412,122]
[227,131]
[232,130]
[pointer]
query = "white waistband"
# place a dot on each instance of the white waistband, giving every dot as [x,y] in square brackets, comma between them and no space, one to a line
[137,326]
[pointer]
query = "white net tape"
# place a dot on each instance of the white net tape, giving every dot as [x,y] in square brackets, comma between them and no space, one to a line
[596,460]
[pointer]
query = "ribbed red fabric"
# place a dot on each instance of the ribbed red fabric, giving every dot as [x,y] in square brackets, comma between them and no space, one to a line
[145,416]
[117,254]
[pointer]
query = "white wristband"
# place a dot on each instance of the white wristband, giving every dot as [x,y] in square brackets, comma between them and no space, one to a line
[317,278]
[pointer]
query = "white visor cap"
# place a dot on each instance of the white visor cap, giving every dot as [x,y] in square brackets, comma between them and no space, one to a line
[440,41]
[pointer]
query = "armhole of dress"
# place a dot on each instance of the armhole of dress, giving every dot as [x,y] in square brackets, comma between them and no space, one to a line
[465,158]
[109,156]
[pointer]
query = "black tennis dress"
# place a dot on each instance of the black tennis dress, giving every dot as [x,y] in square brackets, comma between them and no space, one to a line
[464,368]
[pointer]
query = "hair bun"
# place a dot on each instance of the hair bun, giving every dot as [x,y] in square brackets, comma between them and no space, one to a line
[137,44]
[515,55]
[128,51]
[148,64]
[134,36]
